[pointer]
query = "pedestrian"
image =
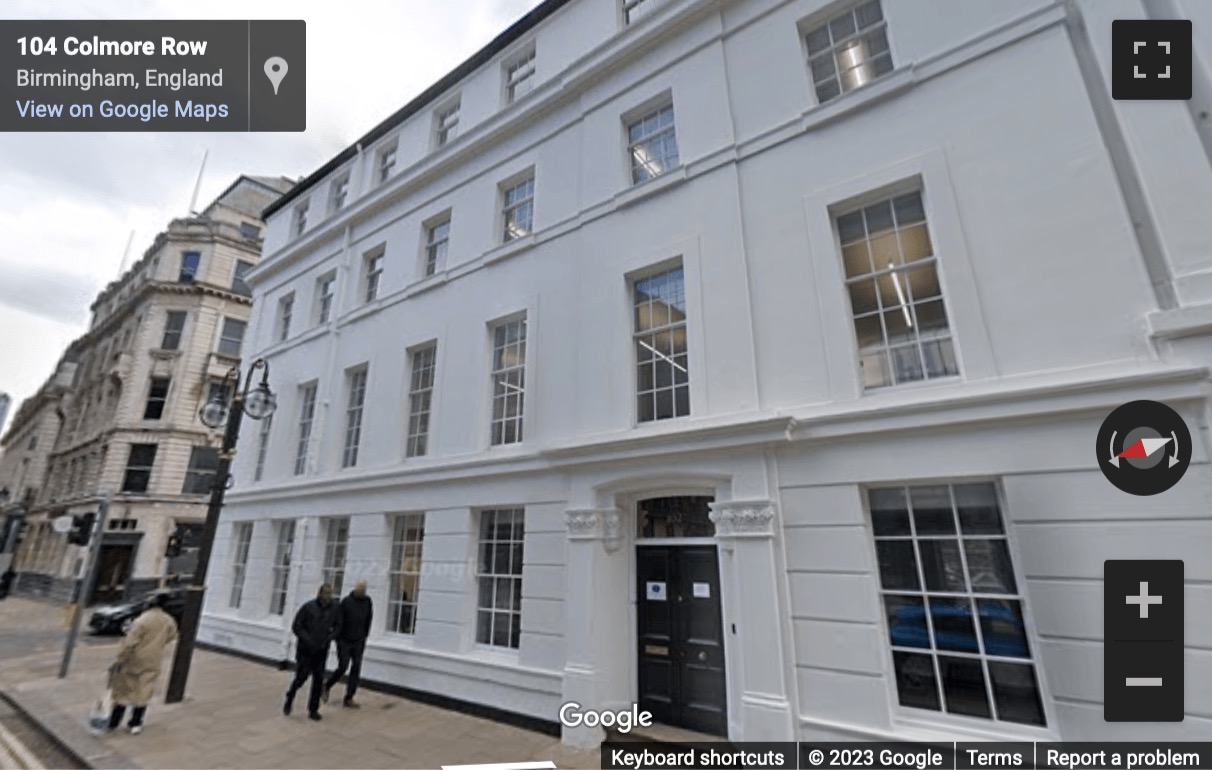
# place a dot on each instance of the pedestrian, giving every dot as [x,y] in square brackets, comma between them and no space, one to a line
[355,615]
[315,627]
[132,677]
[6,582]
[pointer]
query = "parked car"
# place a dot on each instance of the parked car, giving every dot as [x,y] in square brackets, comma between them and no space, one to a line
[953,630]
[117,618]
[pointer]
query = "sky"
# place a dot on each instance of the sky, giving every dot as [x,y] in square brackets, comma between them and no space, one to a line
[69,202]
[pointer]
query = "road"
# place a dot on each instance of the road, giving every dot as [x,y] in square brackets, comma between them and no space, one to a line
[23,746]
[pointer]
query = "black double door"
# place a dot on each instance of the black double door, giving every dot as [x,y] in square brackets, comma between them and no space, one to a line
[681,637]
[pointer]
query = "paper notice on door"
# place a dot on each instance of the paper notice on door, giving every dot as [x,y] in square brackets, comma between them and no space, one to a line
[656,591]
[702,590]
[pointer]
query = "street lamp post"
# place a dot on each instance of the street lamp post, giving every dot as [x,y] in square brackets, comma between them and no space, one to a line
[258,404]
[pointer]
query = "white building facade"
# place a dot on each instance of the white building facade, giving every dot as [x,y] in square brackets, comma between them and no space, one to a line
[743,361]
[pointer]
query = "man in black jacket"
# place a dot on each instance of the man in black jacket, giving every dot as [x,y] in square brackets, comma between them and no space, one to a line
[316,625]
[355,613]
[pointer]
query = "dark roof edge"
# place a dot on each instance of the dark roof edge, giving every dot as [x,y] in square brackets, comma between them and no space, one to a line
[478,59]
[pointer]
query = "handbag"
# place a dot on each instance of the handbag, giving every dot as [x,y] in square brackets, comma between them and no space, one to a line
[98,718]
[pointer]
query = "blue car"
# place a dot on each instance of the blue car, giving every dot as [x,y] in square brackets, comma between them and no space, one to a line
[953,629]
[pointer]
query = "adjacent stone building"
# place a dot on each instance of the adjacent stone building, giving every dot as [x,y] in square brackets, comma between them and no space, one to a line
[743,361]
[160,341]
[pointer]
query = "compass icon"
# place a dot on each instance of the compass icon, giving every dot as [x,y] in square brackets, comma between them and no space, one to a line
[1144,447]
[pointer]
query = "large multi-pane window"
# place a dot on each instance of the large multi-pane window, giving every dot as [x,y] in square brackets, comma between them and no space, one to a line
[200,475]
[662,373]
[518,209]
[190,261]
[139,468]
[508,381]
[954,608]
[286,311]
[900,319]
[848,50]
[307,415]
[232,337]
[499,575]
[372,273]
[353,417]
[437,241]
[408,536]
[267,423]
[446,124]
[420,399]
[336,545]
[157,396]
[340,193]
[241,544]
[238,283]
[652,144]
[519,78]
[325,289]
[633,10]
[174,325]
[280,568]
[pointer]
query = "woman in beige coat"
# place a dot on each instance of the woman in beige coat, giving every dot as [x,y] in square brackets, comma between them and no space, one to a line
[133,675]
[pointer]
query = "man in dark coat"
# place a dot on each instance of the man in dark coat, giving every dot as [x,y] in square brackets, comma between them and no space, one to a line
[356,612]
[315,626]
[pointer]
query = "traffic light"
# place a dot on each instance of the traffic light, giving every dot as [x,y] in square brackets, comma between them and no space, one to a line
[173,550]
[82,529]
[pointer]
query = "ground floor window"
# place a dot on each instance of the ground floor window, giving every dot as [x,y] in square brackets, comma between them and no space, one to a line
[499,574]
[953,605]
[281,567]
[408,536]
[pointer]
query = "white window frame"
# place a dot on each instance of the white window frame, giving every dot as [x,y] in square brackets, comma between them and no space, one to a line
[267,423]
[336,553]
[286,311]
[242,269]
[423,366]
[641,344]
[307,418]
[241,538]
[446,123]
[925,717]
[385,161]
[524,184]
[225,340]
[326,289]
[519,75]
[339,194]
[407,559]
[299,218]
[437,244]
[284,546]
[639,144]
[372,273]
[501,380]
[848,45]
[356,381]
[488,607]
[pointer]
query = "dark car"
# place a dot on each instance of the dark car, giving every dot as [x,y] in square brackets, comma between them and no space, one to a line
[1003,629]
[117,618]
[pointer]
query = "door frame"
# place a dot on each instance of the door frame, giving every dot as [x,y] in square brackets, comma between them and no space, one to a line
[627,506]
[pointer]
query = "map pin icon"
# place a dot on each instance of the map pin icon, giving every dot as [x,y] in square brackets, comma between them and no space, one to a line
[275,70]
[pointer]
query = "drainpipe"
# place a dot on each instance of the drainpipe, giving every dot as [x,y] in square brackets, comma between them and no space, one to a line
[1143,225]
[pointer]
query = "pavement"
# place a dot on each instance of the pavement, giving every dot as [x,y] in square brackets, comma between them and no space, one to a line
[232,714]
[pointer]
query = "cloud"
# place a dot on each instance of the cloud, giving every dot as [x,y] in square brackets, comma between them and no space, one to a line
[47,292]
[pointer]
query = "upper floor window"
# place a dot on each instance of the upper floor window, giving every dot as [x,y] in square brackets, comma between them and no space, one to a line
[956,618]
[325,289]
[340,192]
[662,373]
[238,284]
[200,475]
[267,423]
[353,417]
[518,209]
[139,468]
[242,537]
[900,319]
[387,161]
[174,325]
[848,50]
[300,223]
[307,415]
[157,396]
[653,145]
[446,124]
[420,399]
[519,77]
[190,261]
[634,10]
[372,273]
[286,310]
[508,381]
[232,337]
[437,240]
[250,231]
